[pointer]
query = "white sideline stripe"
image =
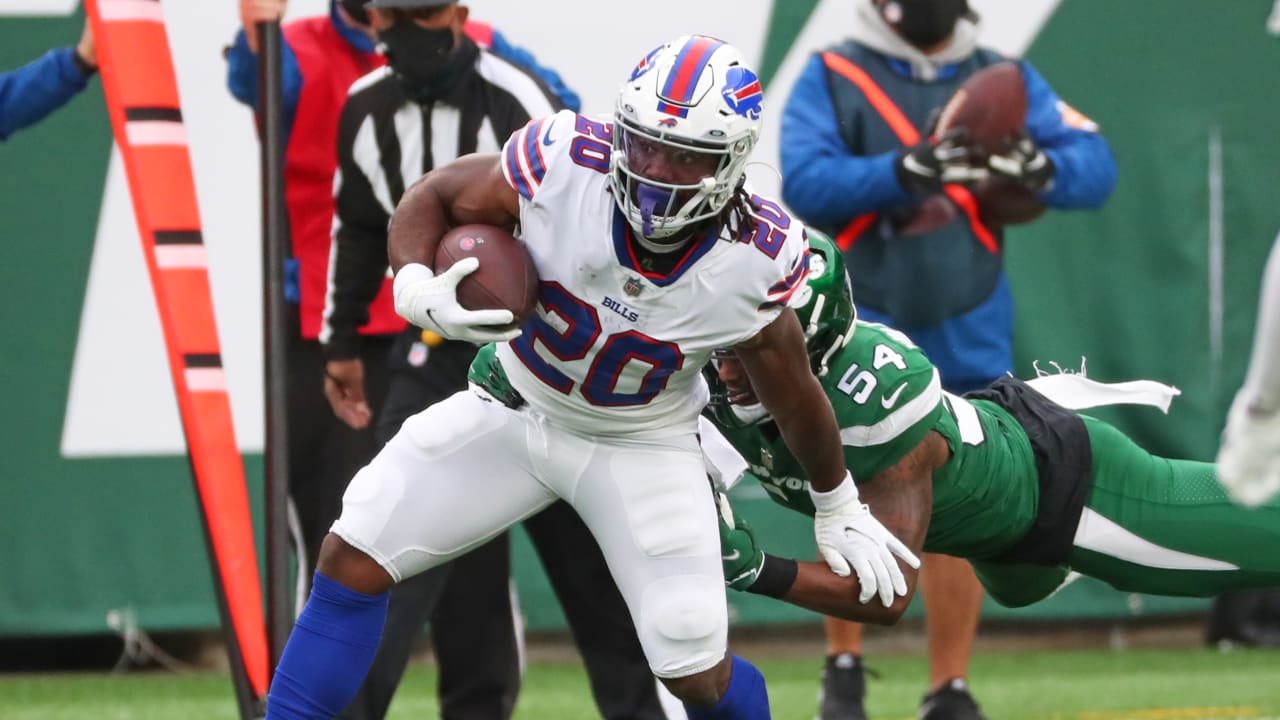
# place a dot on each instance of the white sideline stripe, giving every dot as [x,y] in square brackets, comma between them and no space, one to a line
[156,132]
[172,257]
[206,380]
[1101,535]
[1215,255]
[131,10]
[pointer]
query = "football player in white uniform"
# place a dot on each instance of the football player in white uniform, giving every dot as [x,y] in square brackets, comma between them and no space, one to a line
[651,252]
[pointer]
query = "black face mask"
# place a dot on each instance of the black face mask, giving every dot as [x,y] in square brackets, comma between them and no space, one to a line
[924,23]
[355,8]
[424,59]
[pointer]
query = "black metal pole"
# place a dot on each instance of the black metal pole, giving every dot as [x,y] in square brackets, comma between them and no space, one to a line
[275,250]
[248,704]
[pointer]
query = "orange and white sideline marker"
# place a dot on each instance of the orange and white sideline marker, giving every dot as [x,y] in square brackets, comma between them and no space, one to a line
[146,117]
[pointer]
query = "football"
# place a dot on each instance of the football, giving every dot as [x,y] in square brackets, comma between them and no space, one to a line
[506,279]
[991,105]
[1003,202]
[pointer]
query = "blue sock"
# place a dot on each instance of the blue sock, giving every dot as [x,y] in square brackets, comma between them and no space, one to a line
[328,653]
[745,698]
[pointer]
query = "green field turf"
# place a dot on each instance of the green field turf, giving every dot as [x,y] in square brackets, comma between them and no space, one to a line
[1076,685]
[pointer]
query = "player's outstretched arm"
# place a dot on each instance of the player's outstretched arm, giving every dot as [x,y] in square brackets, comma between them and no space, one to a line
[901,497]
[848,536]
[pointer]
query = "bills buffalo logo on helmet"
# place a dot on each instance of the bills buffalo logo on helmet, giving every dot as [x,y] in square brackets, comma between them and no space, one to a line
[743,93]
[667,122]
[646,63]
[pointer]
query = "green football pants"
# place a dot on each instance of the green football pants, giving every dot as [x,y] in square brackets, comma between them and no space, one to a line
[1156,526]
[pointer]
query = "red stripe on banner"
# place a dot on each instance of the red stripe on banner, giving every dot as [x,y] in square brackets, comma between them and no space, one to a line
[186,291]
[140,58]
[137,72]
[165,170]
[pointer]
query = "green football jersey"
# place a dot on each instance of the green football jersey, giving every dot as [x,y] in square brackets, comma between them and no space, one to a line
[887,396]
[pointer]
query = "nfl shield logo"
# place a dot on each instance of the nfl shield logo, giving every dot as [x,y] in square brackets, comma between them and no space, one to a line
[418,354]
[632,287]
[766,458]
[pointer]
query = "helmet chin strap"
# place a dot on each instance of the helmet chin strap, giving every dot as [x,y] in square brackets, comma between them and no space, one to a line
[838,344]
[750,414]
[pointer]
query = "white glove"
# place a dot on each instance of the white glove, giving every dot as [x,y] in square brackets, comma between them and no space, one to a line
[849,535]
[1249,460]
[430,301]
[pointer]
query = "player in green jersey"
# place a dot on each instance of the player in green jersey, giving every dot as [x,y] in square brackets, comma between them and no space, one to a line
[1024,488]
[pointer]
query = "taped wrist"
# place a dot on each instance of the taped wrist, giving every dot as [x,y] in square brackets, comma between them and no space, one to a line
[776,577]
[844,493]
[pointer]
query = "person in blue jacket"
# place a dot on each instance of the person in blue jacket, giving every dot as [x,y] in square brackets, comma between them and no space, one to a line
[33,91]
[860,164]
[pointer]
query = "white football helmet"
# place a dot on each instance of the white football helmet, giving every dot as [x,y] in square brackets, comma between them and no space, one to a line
[692,104]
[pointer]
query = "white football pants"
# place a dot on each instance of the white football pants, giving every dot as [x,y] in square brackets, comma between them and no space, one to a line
[467,468]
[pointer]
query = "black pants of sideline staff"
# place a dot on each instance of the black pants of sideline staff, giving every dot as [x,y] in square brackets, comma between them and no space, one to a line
[324,452]
[468,600]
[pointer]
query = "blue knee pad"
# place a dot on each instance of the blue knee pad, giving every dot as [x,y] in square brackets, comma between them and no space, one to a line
[328,653]
[745,699]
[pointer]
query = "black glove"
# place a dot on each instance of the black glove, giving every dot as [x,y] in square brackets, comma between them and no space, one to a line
[925,167]
[1025,164]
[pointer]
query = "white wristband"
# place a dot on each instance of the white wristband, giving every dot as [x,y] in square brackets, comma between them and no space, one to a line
[844,493]
[409,274]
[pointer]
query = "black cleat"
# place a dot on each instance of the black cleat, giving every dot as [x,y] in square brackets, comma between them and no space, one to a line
[843,688]
[950,702]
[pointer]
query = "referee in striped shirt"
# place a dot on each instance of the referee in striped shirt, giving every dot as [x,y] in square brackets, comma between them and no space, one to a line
[441,97]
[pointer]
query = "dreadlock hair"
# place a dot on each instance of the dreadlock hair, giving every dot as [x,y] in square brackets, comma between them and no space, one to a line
[736,213]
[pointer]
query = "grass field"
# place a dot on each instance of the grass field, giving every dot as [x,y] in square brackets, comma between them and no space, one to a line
[1073,685]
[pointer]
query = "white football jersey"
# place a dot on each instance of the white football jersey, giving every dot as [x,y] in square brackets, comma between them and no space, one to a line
[615,349]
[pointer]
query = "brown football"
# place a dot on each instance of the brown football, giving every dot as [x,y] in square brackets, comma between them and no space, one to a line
[1003,202]
[506,279]
[991,105]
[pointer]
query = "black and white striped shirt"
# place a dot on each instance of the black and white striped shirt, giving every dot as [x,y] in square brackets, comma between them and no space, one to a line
[386,142]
